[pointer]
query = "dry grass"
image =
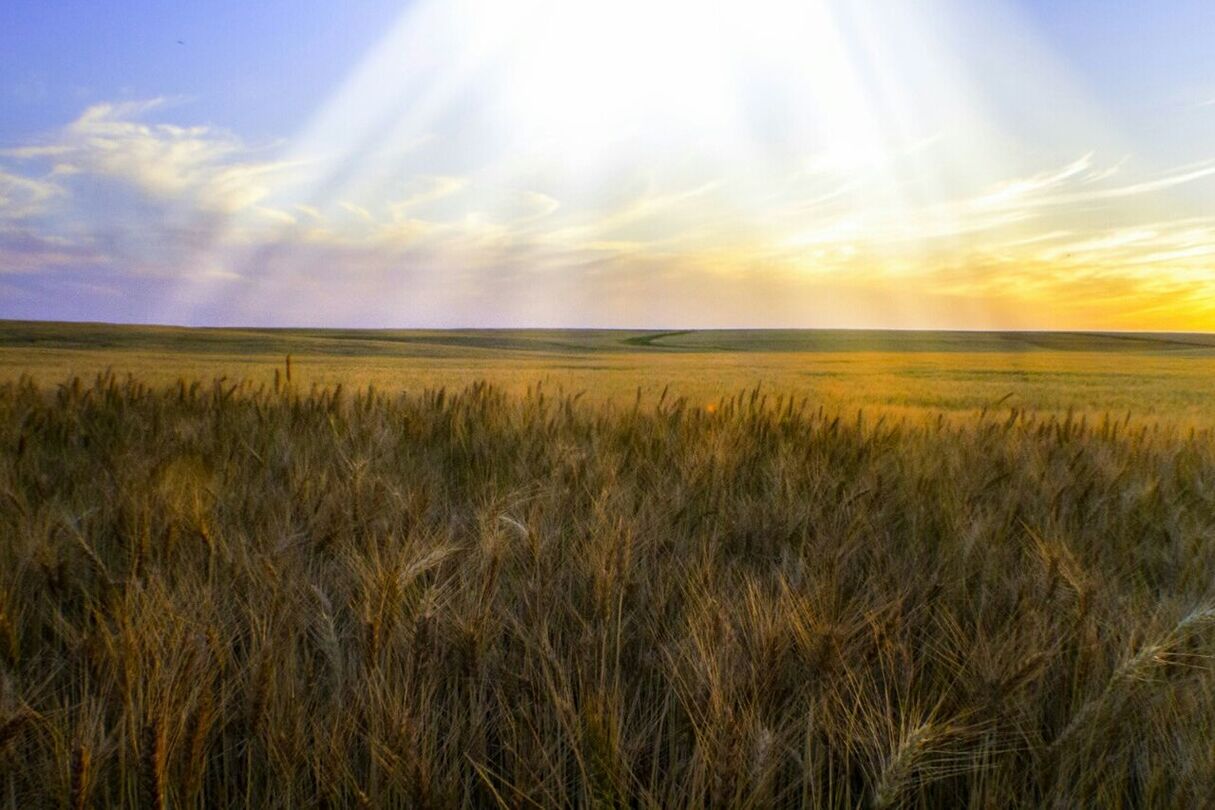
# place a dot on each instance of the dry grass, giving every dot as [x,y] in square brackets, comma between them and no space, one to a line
[222,595]
[912,374]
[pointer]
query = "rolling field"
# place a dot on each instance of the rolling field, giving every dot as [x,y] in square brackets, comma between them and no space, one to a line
[1170,377]
[992,587]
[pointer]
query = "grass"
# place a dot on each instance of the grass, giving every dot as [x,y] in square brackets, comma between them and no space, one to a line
[914,374]
[266,594]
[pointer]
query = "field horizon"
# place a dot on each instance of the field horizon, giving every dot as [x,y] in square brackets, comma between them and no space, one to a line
[811,338]
[1157,375]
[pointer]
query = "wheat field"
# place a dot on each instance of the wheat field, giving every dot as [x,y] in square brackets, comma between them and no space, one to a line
[1163,378]
[266,594]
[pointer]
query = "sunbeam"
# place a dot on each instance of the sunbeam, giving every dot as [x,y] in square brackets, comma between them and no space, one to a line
[820,163]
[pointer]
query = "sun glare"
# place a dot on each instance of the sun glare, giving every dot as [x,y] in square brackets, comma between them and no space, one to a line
[855,144]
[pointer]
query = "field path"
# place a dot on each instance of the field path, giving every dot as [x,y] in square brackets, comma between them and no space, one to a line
[649,340]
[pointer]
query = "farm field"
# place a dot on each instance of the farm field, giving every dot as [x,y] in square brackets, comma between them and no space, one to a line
[991,587]
[963,557]
[1153,376]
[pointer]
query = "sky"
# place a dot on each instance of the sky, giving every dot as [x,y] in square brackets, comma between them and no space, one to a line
[943,164]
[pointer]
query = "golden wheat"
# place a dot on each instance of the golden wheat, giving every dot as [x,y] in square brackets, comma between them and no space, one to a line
[247,595]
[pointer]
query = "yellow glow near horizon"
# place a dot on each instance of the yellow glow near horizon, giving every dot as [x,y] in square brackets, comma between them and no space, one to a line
[769,163]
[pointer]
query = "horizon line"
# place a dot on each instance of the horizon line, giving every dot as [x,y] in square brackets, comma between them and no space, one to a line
[657,329]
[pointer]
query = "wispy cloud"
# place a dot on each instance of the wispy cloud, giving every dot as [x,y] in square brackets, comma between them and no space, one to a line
[200,215]
[358,210]
[213,169]
[32,152]
[26,252]
[1014,192]
[427,190]
[23,197]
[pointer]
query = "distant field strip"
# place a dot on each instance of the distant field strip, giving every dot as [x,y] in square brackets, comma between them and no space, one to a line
[1165,376]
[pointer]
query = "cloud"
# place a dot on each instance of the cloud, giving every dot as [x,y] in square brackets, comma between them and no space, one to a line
[1053,197]
[543,205]
[189,219]
[31,152]
[24,197]
[358,210]
[428,190]
[24,252]
[651,217]
[275,215]
[211,169]
[1011,192]
[1176,178]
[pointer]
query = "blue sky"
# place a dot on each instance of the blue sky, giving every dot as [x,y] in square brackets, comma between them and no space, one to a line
[827,163]
[258,68]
